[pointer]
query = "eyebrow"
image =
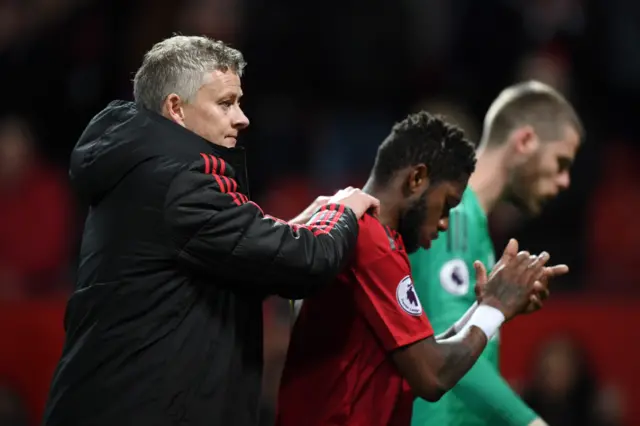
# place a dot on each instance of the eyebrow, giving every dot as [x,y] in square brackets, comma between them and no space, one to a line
[231,94]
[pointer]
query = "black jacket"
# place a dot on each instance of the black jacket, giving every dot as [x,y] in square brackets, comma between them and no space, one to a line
[165,324]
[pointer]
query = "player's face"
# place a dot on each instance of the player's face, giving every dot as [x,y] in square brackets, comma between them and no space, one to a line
[429,214]
[545,173]
[215,113]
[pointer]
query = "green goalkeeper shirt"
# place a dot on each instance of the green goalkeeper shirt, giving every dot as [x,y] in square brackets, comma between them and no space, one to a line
[445,282]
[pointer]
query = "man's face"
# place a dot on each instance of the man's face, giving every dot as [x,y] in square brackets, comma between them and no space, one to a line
[428,214]
[215,112]
[545,173]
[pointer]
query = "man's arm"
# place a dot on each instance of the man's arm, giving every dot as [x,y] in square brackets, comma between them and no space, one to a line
[459,324]
[433,367]
[485,393]
[387,300]
[308,213]
[220,233]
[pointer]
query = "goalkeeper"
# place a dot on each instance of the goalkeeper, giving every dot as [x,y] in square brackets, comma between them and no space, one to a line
[531,135]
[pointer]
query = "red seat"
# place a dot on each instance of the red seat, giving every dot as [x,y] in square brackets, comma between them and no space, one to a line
[32,337]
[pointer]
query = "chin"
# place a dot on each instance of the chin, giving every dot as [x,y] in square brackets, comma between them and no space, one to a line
[411,247]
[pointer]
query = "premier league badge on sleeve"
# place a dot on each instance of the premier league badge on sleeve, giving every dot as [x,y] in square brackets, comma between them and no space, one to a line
[454,277]
[407,297]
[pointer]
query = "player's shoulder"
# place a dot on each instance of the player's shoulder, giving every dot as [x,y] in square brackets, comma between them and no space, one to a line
[375,239]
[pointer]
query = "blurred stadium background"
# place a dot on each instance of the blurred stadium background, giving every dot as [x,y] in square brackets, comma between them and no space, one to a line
[325,82]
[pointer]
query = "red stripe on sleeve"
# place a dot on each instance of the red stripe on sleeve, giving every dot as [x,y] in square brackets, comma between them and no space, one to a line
[223,166]
[220,184]
[214,171]
[336,218]
[207,164]
[325,219]
[214,161]
[234,195]
[228,182]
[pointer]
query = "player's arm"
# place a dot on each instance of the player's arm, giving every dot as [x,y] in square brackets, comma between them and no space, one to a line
[221,233]
[459,324]
[485,393]
[434,367]
[483,390]
[431,367]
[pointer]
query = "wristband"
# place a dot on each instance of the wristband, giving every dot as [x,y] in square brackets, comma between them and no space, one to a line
[486,318]
[457,326]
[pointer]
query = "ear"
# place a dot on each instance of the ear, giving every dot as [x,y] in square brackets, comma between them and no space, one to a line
[417,179]
[524,140]
[172,108]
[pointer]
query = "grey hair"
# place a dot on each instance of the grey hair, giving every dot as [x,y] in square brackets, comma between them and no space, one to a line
[180,65]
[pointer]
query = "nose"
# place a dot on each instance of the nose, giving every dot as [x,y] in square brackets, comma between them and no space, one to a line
[240,121]
[563,181]
[443,224]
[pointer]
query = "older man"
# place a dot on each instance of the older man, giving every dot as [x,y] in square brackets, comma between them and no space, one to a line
[165,325]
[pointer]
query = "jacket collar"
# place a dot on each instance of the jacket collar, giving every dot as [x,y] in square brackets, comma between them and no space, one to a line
[178,141]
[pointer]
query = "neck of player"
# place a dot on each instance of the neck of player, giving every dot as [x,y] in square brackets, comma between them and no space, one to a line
[490,178]
[390,201]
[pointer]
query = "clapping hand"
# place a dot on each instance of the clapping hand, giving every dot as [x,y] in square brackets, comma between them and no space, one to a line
[539,290]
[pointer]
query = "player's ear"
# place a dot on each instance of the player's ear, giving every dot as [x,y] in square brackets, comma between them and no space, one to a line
[524,140]
[418,179]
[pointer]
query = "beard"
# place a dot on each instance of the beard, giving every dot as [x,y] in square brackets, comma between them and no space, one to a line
[522,187]
[512,196]
[521,193]
[411,222]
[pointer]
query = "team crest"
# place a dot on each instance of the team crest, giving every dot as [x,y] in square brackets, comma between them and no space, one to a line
[454,277]
[407,297]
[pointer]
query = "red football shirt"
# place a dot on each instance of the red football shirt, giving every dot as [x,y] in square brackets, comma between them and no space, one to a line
[338,370]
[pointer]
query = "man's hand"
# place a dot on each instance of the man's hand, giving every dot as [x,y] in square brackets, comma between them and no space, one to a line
[358,201]
[540,288]
[510,286]
[510,252]
[305,216]
[351,197]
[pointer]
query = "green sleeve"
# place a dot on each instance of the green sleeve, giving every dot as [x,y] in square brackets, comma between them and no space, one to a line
[487,395]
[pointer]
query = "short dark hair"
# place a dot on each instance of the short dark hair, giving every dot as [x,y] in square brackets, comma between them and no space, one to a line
[530,103]
[422,138]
